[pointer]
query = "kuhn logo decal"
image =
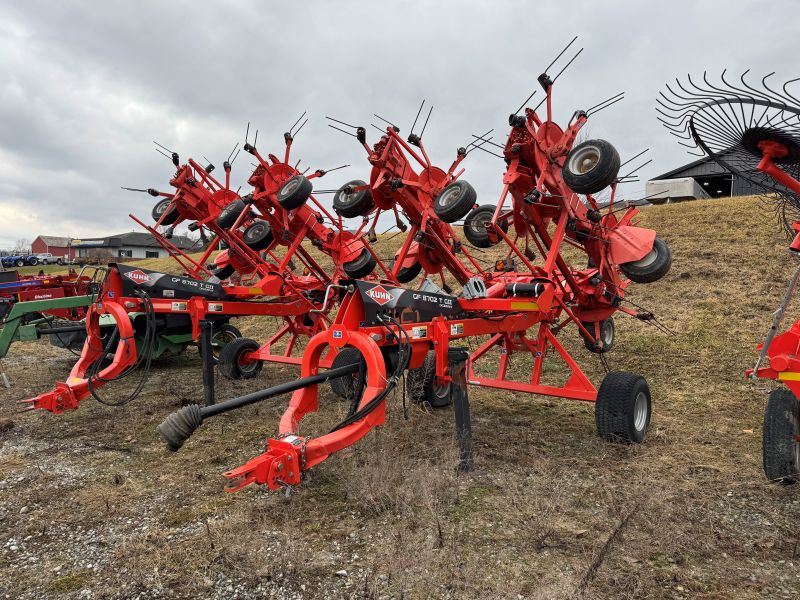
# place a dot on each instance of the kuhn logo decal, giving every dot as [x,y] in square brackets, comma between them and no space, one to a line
[138,276]
[379,295]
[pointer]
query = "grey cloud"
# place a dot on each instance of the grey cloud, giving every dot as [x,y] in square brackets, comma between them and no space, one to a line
[86,86]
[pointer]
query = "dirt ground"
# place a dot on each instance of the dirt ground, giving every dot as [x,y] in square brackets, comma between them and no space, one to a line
[93,506]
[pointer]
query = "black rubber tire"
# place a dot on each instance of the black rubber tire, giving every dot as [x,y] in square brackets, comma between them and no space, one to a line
[475,226]
[652,267]
[607,334]
[455,201]
[422,387]
[362,266]
[599,175]
[780,448]
[230,356]
[223,335]
[225,272]
[345,386]
[74,340]
[258,235]
[408,274]
[615,412]
[59,261]
[20,263]
[294,192]
[355,204]
[230,213]
[159,209]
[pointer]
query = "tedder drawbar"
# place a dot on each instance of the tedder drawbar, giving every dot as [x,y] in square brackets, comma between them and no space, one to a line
[752,130]
[520,304]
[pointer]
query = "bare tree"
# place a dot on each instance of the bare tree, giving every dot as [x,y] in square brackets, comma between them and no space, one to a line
[22,245]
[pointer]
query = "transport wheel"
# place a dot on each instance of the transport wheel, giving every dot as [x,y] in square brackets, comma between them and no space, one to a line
[354,204]
[591,167]
[622,410]
[258,235]
[222,336]
[345,386]
[781,448]
[161,207]
[231,363]
[652,267]
[225,272]
[475,226]
[362,266]
[607,331]
[407,274]
[455,201]
[294,192]
[422,386]
[230,213]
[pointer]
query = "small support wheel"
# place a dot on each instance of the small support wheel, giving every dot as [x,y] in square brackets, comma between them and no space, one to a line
[780,445]
[455,201]
[476,223]
[422,385]
[222,336]
[591,166]
[345,386]
[652,267]
[362,266]
[227,217]
[294,192]
[407,274]
[607,334]
[622,410]
[232,359]
[353,204]
[258,235]
[161,207]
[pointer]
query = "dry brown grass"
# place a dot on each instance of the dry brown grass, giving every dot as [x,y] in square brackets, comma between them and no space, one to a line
[550,511]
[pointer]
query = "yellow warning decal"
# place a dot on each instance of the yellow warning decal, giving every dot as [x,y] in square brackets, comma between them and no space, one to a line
[789,376]
[524,305]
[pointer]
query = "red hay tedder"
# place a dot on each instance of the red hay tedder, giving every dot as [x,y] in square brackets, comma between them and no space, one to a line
[753,131]
[277,214]
[520,304]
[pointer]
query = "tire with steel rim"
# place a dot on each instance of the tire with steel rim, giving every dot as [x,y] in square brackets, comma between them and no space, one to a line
[622,410]
[475,226]
[161,207]
[455,201]
[423,387]
[652,267]
[227,217]
[780,445]
[222,336]
[294,192]
[258,235]
[607,334]
[591,166]
[350,203]
[232,363]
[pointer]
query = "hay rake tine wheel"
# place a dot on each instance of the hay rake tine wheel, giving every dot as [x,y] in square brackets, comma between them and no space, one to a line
[754,133]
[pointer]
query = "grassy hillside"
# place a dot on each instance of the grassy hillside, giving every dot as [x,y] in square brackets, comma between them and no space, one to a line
[91,500]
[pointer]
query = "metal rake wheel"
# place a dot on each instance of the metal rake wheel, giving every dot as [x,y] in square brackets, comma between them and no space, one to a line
[734,123]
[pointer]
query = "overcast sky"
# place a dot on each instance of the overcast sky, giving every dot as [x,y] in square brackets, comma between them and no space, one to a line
[86,86]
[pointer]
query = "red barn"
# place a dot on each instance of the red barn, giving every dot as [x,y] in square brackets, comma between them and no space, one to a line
[57,246]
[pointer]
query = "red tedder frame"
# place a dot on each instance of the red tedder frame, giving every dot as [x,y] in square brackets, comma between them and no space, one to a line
[519,296]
